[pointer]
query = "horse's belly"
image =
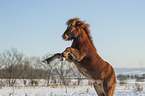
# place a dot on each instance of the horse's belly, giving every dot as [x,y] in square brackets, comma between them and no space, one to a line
[85,73]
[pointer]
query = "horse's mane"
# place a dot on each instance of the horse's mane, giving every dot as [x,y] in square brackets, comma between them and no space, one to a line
[76,22]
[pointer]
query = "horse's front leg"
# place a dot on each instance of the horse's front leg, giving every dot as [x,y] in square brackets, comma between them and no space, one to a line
[75,53]
[55,56]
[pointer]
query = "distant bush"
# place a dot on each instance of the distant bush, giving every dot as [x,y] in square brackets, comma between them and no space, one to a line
[122,77]
[136,76]
[139,80]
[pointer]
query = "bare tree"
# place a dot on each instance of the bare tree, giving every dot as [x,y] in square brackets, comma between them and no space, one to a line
[64,71]
[35,66]
[50,76]
[1,64]
[13,62]
[49,73]
[78,75]
[35,62]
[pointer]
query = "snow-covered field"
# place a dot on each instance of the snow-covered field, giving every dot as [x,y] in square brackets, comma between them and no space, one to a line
[127,89]
[124,90]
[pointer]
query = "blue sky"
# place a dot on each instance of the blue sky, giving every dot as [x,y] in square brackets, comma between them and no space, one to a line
[34,27]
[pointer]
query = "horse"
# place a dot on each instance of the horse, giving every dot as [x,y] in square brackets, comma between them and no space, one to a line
[84,55]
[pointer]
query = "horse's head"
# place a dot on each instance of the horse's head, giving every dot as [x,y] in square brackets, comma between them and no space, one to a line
[70,33]
[73,29]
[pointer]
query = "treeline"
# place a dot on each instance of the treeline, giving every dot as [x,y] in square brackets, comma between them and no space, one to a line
[14,65]
[125,77]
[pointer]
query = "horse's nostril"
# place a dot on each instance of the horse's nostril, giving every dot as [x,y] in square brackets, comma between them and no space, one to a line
[65,37]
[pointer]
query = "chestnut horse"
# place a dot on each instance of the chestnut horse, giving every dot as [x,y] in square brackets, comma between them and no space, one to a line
[84,55]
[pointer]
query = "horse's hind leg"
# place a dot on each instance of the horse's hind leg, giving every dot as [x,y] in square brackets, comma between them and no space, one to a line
[99,88]
[111,90]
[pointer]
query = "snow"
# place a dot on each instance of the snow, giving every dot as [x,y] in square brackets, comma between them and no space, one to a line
[124,90]
[127,89]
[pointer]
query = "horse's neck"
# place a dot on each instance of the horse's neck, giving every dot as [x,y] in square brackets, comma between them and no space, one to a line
[85,44]
[76,44]
[81,42]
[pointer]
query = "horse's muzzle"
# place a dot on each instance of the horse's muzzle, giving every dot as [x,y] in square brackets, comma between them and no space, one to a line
[65,37]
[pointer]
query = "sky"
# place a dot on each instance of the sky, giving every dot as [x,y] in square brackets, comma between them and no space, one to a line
[117,27]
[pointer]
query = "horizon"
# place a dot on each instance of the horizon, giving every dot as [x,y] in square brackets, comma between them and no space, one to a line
[35,28]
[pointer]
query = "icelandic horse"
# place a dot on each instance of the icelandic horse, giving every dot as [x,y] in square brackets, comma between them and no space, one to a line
[84,55]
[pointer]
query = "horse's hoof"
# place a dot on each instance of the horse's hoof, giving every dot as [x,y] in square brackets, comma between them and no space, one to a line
[62,59]
[44,61]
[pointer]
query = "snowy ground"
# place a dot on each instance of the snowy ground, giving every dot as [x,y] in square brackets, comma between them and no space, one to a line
[124,90]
